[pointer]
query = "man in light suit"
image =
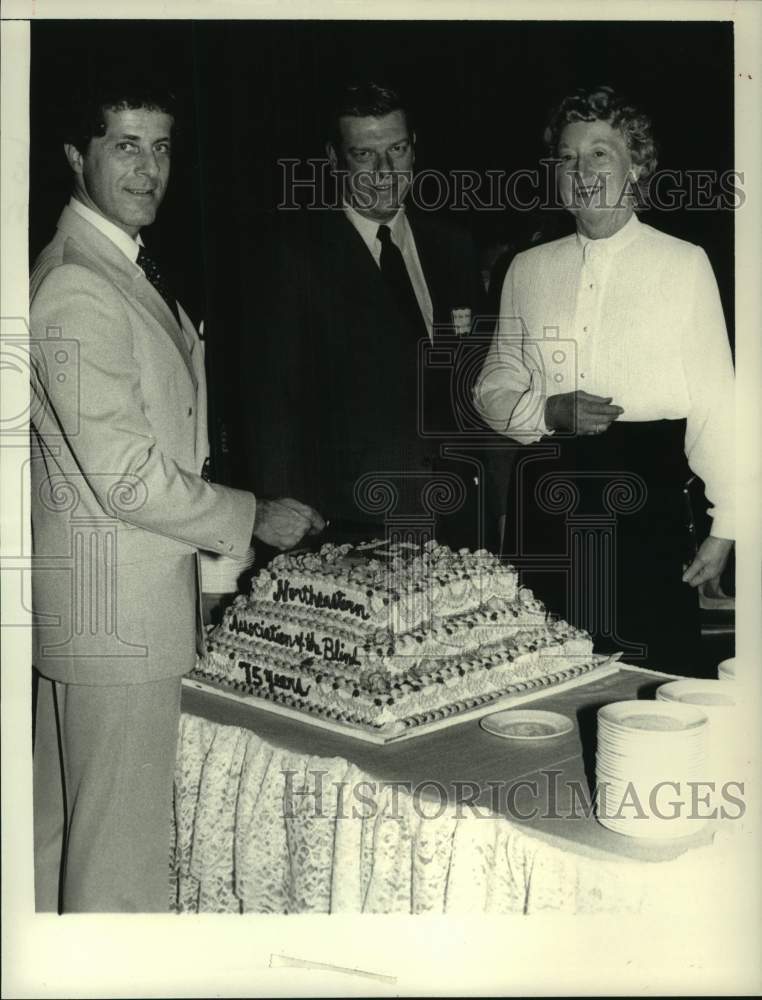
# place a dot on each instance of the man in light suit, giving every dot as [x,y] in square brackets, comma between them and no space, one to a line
[352,298]
[120,510]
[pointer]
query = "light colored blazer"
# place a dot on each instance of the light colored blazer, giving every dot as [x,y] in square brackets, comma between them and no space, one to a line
[119,438]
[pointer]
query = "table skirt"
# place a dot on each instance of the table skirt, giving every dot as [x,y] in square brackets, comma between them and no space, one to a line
[259,829]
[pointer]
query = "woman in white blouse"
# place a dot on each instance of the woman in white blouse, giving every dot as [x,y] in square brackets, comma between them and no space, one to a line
[611,362]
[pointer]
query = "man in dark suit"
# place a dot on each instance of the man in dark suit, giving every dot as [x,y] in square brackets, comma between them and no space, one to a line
[353,403]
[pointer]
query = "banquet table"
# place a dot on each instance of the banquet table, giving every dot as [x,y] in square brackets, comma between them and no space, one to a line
[275,816]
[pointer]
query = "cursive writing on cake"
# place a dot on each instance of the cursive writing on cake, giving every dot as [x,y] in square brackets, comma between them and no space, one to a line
[257,676]
[338,601]
[330,648]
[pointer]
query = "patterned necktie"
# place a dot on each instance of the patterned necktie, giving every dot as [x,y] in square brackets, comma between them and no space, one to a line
[151,270]
[396,276]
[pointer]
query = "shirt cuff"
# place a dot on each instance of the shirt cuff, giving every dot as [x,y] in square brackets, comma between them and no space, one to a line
[723,524]
[531,412]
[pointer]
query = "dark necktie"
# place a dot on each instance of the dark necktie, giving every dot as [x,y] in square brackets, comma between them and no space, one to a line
[396,276]
[151,270]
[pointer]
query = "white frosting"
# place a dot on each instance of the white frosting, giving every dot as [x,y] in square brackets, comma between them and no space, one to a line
[388,641]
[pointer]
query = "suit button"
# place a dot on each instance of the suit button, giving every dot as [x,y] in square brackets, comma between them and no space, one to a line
[190,411]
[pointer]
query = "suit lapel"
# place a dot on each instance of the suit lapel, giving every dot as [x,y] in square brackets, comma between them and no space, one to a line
[451,273]
[433,270]
[110,261]
[148,297]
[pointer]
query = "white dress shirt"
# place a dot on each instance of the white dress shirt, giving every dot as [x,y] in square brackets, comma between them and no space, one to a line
[402,237]
[636,317]
[126,243]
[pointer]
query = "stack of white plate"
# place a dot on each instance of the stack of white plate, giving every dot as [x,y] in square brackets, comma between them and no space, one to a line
[726,671]
[717,700]
[649,754]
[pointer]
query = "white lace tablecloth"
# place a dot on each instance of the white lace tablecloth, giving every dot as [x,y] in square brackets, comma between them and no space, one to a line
[251,838]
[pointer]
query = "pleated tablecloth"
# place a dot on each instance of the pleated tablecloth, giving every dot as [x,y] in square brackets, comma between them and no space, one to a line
[262,828]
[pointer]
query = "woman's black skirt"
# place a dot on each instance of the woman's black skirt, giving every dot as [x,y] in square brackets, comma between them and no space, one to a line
[600,532]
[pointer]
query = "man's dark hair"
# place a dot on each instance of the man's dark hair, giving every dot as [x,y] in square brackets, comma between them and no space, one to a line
[86,119]
[364,100]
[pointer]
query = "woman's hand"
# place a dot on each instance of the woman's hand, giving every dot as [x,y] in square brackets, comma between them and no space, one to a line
[580,412]
[709,562]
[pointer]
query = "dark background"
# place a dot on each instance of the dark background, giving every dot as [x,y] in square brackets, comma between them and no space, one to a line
[251,92]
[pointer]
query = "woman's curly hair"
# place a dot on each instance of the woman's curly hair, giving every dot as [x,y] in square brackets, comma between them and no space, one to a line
[604,104]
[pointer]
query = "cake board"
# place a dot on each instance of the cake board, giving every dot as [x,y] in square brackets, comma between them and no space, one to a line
[605,666]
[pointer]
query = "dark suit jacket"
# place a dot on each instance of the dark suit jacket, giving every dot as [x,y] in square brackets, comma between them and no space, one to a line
[337,382]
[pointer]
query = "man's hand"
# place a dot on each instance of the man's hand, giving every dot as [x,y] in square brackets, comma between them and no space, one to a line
[580,412]
[709,562]
[283,523]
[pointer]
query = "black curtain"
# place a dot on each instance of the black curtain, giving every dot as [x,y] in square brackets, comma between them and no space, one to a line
[251,93]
